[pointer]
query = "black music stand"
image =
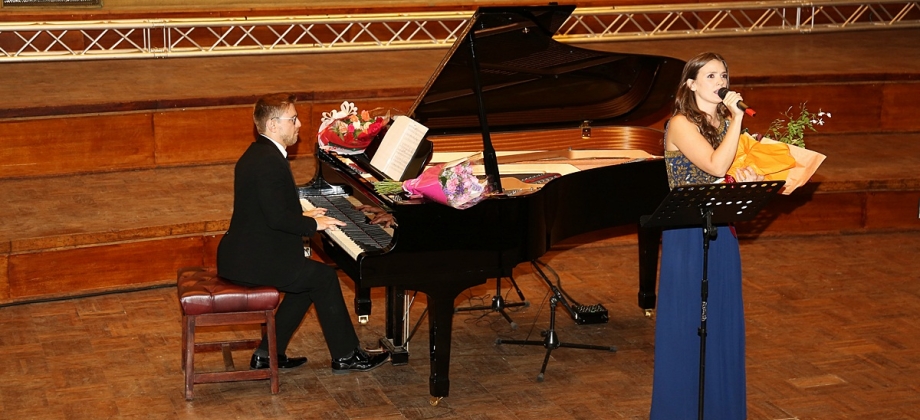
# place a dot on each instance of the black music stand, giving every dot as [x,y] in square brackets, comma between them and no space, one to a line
[551,340]
[498,302]
[707,205]
[319,186]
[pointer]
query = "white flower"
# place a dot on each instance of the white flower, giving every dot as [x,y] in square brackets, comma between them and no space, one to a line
[792,130]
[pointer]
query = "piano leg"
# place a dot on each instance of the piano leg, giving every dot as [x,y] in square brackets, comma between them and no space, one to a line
[649,243]
[397,328]
[440,326]
[363,304]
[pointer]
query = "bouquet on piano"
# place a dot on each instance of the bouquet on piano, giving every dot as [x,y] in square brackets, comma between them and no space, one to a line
[348,131]
[451,184]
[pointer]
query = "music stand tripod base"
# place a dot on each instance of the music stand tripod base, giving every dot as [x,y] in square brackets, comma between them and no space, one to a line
[499,304]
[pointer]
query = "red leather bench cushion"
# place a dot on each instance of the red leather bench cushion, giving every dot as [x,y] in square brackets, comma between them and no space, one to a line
[204,292]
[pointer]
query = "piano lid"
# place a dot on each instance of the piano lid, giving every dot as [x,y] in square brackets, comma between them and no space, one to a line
[531,81]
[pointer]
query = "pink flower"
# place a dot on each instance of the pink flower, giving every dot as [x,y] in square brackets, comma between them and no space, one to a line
[451,184]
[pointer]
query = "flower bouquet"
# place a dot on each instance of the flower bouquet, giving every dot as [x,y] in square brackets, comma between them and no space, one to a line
[451,184]
[348,131]
[786,157]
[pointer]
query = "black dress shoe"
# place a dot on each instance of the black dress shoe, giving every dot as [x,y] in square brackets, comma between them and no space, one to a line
[284,362]
[360,361]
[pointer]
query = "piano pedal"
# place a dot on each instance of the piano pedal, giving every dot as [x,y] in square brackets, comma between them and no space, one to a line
[593,314]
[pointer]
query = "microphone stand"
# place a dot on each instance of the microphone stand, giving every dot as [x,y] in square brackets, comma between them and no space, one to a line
[550,338]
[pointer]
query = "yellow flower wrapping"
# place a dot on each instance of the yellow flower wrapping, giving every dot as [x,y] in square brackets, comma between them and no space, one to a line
[773,161]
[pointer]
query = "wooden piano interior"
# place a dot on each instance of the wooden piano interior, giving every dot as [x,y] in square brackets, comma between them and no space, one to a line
[622,137]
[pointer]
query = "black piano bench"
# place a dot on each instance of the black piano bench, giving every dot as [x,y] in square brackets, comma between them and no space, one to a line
[208,300]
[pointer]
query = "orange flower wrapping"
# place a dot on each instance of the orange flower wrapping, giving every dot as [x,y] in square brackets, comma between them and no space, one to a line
[806,164]
[777,161]
[773,161]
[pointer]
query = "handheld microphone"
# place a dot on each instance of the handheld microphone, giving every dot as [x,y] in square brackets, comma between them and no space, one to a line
[741,105]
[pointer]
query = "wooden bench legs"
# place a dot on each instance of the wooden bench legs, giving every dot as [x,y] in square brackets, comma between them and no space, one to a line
[189,347]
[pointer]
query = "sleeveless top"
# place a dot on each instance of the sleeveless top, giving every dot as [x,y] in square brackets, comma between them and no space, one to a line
[683,172]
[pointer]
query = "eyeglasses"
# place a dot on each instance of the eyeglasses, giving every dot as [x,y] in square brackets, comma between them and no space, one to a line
[292,119]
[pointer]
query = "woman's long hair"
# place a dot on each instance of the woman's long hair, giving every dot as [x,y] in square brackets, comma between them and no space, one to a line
[685,102]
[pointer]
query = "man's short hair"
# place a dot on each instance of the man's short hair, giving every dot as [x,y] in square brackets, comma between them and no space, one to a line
[271,106]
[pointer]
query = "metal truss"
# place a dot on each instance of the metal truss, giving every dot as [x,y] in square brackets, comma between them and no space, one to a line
[159,38]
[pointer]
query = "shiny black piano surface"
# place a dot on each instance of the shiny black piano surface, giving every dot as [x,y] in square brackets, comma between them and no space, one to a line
[528,81]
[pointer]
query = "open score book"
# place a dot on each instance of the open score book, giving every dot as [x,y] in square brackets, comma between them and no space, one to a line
[398,146]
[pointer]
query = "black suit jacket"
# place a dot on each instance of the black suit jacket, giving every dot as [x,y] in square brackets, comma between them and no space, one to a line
[264,244]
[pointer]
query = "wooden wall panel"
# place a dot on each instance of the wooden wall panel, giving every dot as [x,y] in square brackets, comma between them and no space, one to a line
[899,106]
[100,143]
[893,209]
[306,145]
[4,278]
[804,213]
[71,145]
[837,212]
[209,258]
[109,267]
[855,107]
[202,135]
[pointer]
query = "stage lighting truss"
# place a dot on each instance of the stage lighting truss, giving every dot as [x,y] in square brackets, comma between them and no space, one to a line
[160,38]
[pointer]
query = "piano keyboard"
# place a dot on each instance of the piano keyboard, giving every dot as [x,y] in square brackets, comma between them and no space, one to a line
[357,236]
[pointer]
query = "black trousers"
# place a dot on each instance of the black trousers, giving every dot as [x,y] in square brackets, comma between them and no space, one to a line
[316,283]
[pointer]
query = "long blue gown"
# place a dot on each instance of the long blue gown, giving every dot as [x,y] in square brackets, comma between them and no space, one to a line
[675,391]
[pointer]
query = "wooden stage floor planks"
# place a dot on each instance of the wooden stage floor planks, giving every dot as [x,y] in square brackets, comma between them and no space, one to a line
[832,333]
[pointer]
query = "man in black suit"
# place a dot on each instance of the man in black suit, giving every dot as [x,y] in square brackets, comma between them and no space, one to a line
[264,244]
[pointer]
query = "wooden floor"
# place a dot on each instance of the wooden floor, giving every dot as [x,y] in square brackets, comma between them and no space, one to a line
[832,333]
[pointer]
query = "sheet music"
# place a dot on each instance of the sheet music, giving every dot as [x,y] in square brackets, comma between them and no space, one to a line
[398,146]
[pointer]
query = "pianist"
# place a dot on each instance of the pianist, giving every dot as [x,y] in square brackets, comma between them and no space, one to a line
[264,244]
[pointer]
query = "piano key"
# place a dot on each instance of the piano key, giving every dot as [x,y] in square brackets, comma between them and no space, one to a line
[357,236]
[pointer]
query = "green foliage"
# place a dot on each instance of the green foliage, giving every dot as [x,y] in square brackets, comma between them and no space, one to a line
[388,187]
[792,129]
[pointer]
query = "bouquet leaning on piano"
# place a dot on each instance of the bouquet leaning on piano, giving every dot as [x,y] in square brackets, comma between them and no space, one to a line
[451,184]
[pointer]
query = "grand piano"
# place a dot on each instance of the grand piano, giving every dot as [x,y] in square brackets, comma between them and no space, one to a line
[506,84]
